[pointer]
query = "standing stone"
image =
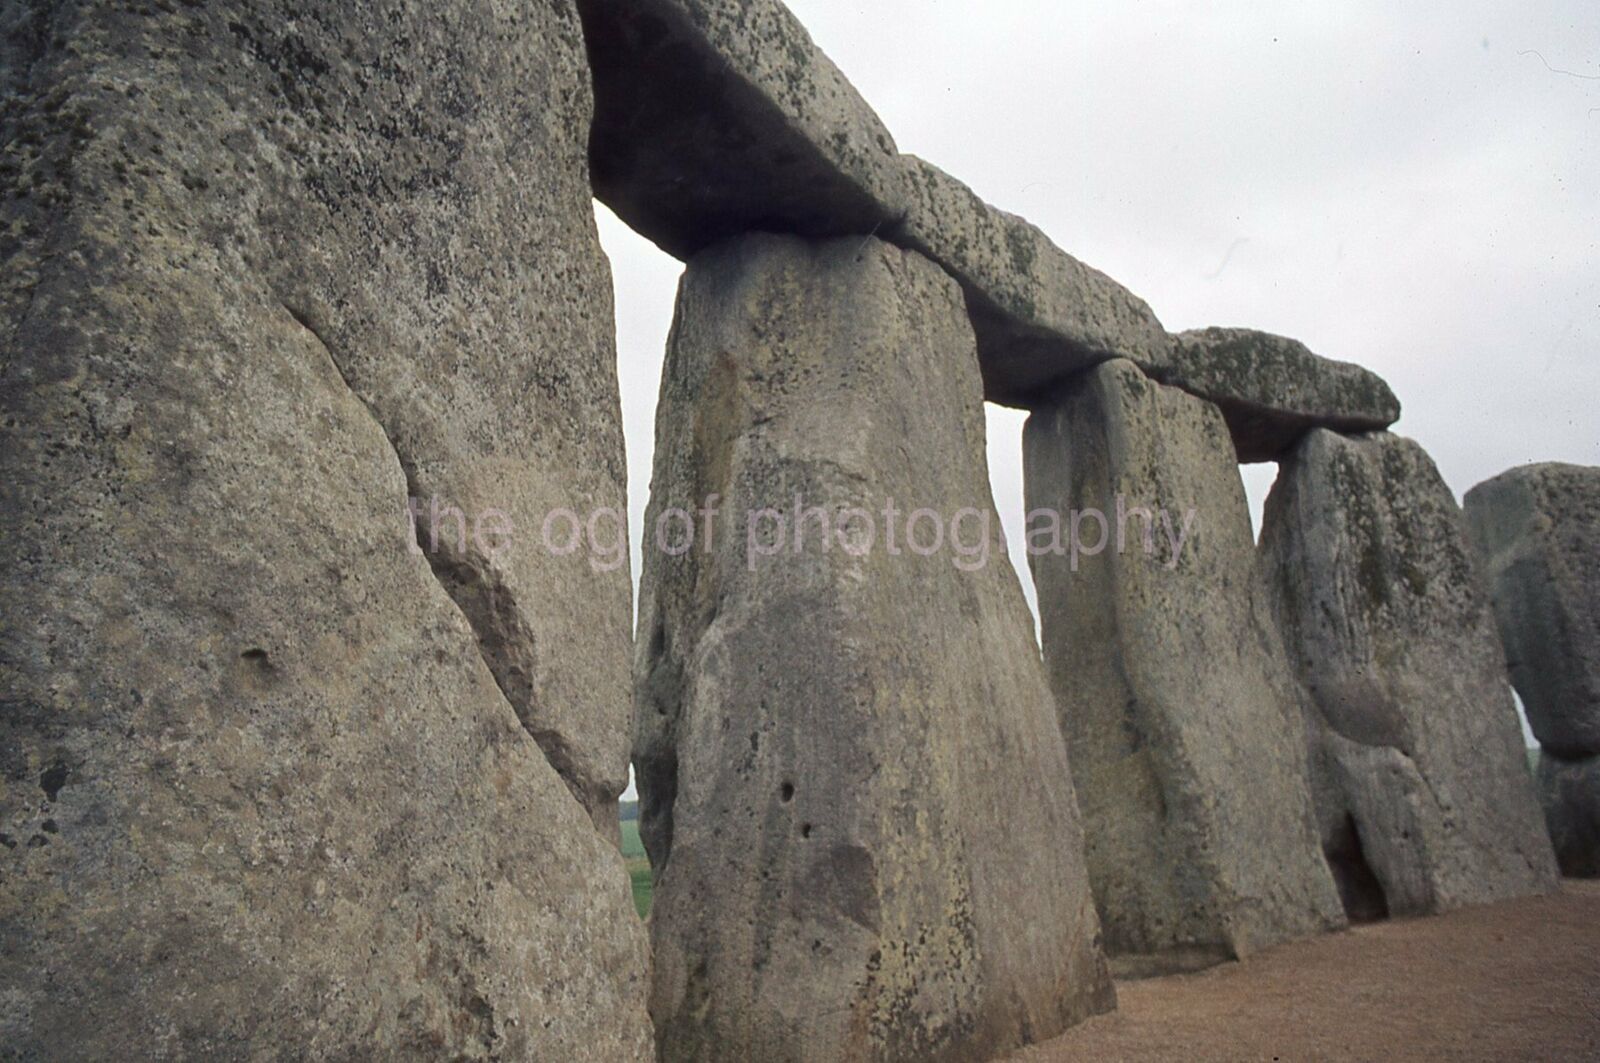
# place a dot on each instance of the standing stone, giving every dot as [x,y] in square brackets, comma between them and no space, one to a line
[1174,696]
[1425,795]
[264,789]
[1570,793]
[853,787]
[1537,530]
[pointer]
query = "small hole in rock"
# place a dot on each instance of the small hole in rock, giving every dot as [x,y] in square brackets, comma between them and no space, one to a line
[805,830]
[788,792]
[52,780]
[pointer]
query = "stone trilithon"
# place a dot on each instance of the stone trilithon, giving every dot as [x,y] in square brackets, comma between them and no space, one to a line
[838,746]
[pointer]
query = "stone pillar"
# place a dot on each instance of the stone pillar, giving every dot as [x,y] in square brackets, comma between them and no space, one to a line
[275,779]
[1423,783]
[1569,790]
[1176,699]
[1537,530]
[853,787]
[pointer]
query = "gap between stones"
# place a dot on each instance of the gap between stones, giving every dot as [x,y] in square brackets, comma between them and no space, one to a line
[481,596]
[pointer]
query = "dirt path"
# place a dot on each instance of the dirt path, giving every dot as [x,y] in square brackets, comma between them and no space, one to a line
[1511,981]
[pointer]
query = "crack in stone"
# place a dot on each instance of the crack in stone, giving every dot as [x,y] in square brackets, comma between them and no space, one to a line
[480,594]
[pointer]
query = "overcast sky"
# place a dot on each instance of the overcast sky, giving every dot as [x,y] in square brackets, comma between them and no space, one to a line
[1415,187]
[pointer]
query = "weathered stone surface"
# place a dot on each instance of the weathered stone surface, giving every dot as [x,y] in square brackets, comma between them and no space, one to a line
[1537,530]
[720,117]
[1174,695]
[1040,314]
[1272,389]
[1570,793]
[267,269]
[1426,795]
[835,746]
[716,118]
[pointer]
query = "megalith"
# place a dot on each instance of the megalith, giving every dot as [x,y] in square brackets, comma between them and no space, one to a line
[853,788]
[1175,697]
[1570,793]
[1273,389]
[1040,314]
[1422,782]
[280,775]
[1537,530]
[720,117]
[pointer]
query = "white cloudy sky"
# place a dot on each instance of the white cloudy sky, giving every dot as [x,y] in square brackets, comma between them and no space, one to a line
[1412,186]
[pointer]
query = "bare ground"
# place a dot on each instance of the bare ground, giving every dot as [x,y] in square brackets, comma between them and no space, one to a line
[1519,980]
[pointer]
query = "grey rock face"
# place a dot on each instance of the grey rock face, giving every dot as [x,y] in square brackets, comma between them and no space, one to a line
[720,117]
[1537,530]
[834,744]
[1039,313]
[471,311]
[269,270]
[1176,698]
[1426,795]
[1272,389]
[1570,793]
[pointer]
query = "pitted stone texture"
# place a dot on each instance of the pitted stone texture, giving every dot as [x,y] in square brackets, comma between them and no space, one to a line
[1176,698]
[266,798]
[1570,793]
[722,117]
[834,749]
[1388,625]
[448,258]
[1537,530]
[1272,389]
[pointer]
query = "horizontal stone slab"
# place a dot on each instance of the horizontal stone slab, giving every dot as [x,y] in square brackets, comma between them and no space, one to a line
[1273,389]
[716,118]
[1040,315]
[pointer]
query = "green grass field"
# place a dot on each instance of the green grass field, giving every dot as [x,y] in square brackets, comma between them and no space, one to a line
[638,867]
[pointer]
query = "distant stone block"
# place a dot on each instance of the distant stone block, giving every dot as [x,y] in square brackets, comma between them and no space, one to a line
[1537,529]
[1570,793]
[1175,695]
[1423,783]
